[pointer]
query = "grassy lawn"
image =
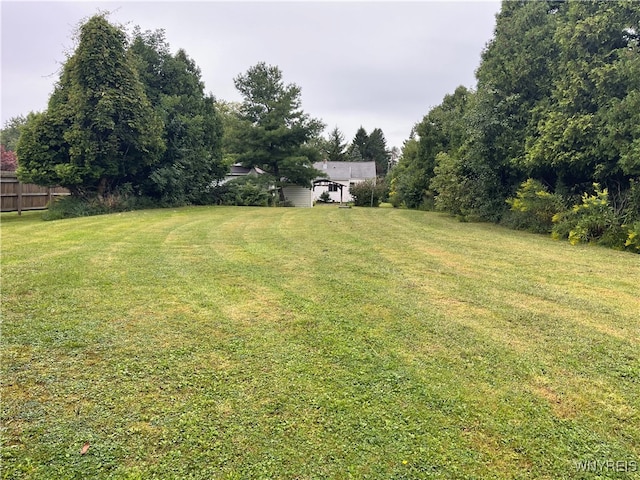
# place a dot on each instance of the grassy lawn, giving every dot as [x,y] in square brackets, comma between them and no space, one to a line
[242,343]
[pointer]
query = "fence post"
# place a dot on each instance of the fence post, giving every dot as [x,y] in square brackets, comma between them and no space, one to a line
[19,198]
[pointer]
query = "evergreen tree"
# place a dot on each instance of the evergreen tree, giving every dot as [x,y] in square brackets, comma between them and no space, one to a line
[99,129]
[335,146]
[355,155]
[192,161]
[514,78]
[360,142]
[376,150]
[275,131]
[556,110]
[588,131]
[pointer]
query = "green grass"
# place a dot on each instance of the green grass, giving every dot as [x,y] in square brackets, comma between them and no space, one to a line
[288,343]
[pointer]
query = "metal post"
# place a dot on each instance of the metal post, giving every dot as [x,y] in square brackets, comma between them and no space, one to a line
[373,185]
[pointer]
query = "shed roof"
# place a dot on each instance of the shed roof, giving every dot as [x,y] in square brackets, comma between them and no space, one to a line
[347,170]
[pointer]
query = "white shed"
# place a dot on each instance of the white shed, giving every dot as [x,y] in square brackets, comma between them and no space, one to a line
[298,196]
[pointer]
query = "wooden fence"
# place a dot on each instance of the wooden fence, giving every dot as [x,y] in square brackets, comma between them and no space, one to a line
[16,196]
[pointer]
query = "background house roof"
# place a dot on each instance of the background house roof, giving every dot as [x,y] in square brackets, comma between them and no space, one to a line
[347,170]
[238,170]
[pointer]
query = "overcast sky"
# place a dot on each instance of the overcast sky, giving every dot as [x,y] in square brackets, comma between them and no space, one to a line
[371,64]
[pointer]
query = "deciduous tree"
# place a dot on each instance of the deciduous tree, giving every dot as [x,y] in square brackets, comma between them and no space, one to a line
[442,130]
[10,133]
[8,160]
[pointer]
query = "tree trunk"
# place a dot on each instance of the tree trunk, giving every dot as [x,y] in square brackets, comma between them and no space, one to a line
[102,187]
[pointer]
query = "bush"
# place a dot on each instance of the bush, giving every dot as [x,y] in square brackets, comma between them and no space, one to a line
[245,191]
[368,193]
[592,221]
[633,237]
[70,207]
[324,197]
[8,160]
[533,208]
[120,201]
[631,202]
[395,198]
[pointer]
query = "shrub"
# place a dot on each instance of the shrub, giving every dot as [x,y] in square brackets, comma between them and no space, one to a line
[8,160]
[122,200]
[70,207]
[633,237]
[592,221]
[324,197]
[368,193]
[245,191]
[631,202]
[533,208]
[395,198]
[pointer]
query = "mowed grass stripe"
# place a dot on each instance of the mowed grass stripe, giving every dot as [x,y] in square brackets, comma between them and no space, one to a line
[217,342]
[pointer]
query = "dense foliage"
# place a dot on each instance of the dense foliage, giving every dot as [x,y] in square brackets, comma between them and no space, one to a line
[8,160]
[551,133]
[533,208]
[10,132]
[248,191]
[128,124]
[192,161]
[556,110]
[370,147]
[99,130]
[368,193]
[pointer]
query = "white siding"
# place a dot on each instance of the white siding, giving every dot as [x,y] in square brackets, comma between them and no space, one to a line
[298,196]
[335,196]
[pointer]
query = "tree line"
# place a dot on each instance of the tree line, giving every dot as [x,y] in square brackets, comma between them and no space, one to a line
[549,141]
[129,120]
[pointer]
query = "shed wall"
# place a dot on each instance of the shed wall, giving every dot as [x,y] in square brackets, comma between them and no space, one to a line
[298,196]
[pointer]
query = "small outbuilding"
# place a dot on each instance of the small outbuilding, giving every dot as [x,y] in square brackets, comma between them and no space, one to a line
[339,177]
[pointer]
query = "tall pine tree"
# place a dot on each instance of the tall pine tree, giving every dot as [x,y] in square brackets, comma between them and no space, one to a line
[376,150]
